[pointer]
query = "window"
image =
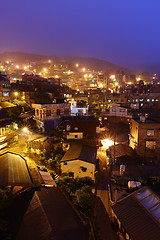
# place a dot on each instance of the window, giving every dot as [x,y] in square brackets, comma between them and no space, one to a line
[151,144]
[68,127]
[150,132]
[76,136]
[71,174]
[65,163]
[66,111]
[37,112]
[58,111]
[48,113]
[76,128]
[83,169]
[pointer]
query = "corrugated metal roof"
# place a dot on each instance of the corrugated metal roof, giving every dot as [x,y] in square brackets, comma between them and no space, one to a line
[137,220]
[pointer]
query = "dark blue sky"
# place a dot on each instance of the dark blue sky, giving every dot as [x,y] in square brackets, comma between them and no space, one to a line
[124,32]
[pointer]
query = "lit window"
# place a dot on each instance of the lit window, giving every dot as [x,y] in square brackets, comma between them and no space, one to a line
[148,100]
[68,128]
[150,132]
[109,100]
[151,144]
[136,100]
[152,100]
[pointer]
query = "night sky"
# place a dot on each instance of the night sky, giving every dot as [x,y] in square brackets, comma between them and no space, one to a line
[125,32]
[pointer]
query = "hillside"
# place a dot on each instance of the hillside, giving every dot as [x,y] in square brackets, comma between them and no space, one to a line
[92,63]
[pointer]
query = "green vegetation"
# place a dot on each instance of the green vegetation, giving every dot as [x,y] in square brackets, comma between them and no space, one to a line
[80,193]
[52,156]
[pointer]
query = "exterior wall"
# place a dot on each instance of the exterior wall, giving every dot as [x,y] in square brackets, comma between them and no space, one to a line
[46,112]
[119,111]
[88,127]
[75,167]
[75,135]
[76,110]
[145,138]
[47,115]
[133,138]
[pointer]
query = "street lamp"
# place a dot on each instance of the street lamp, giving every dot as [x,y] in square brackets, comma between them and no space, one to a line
[25,130]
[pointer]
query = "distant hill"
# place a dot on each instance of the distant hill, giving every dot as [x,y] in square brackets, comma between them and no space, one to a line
[92,63]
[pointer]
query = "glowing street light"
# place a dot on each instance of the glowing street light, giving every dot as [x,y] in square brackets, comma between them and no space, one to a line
[112,77]
[107,143]
[16,94]
[25,130]
[101,85]
[83,69]
[77,65]
[49,61]
[17,66]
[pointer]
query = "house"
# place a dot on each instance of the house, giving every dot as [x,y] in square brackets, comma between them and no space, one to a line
[16,172]
[145,138]
[77,127]
[79,161]
[117,113]
[121,154]
[48,116]
[137,215]
[78,107]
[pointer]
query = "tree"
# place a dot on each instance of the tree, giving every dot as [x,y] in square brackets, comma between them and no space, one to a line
[83,199]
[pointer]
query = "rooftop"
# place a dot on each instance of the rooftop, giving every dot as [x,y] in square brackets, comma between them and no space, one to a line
[139,214]
[82,152]
[14,170]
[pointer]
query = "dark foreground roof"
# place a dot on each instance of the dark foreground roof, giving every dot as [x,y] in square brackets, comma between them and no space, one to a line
[139,214]
[14,170]
[50,217]
[82,152]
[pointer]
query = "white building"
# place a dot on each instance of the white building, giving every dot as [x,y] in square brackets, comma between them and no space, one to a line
[118,111]
[79,162]
[78,108]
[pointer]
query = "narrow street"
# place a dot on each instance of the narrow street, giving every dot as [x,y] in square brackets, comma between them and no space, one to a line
[102,205]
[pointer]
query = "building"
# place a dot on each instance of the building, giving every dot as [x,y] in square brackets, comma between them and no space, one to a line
[48,116]
[117,113]
[79,108]
[145,138]
[86,126]
[16,172]
[79,162]
[137,215]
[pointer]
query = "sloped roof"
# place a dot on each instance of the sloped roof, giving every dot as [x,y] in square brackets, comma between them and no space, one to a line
[14,170]
[6,105]
[139,214]
[50,217]
[121,150]
[80,152]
